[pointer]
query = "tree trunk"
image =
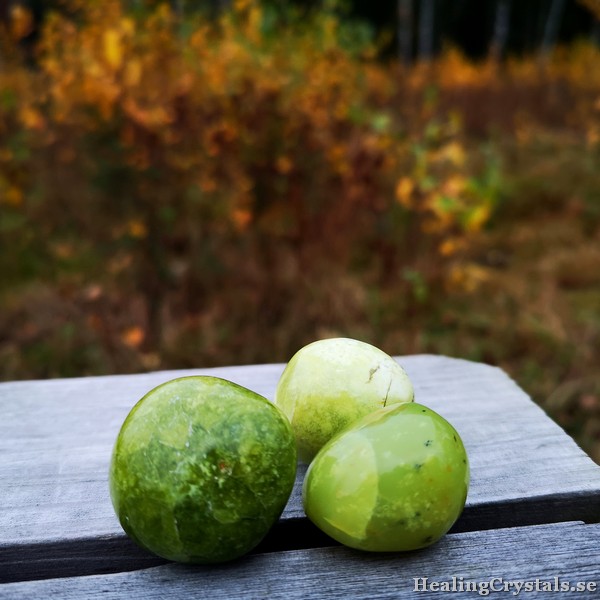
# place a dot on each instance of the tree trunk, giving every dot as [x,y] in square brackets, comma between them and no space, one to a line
[179,8]
[501,28]
[552,25]
[426,20]
[4,11]
[595,34]
[154,280]
[405,25]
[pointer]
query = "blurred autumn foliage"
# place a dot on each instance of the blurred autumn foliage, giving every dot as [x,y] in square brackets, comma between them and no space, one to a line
[202,191]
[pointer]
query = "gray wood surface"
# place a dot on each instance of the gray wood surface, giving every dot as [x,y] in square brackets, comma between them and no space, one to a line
[56,438]
[568,551]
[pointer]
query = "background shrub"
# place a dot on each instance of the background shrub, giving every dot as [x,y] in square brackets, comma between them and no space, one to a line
[220,189]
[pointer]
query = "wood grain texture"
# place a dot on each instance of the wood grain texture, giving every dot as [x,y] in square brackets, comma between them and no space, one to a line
[568,551]
[56,438]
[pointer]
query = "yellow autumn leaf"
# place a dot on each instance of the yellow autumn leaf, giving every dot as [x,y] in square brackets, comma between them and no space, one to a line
[137,229]
[284,165]
[133,73]
[241,218]
[404,191]
[21,21]
[477,218]
[127,25]
[13,196]
[31,118]
[454,185]
[592,135]
[241,5]
[454,153]
[450,246]
[133,336]
[113,48]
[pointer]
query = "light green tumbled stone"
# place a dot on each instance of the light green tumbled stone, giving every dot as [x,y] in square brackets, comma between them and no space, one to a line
[331,383]
[201,470]
[396,480]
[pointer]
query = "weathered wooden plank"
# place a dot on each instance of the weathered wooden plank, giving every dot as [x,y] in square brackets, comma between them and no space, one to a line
[56,437]
[542,556]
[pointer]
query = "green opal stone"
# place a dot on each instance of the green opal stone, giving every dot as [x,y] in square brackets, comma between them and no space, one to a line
[201,470]
[396,480]
[331,383]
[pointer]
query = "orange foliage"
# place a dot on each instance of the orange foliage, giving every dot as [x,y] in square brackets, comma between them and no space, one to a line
[194,192]
[236,128]
[185,162]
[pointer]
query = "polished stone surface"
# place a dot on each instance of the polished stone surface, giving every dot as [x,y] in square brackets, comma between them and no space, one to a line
[331,383]
[201,469]
[397,480]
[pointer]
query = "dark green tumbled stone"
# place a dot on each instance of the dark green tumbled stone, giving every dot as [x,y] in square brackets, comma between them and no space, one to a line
[201,469]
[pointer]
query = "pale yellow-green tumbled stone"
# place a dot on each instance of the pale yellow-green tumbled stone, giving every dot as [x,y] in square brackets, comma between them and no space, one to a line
[331,383]
[396,480]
